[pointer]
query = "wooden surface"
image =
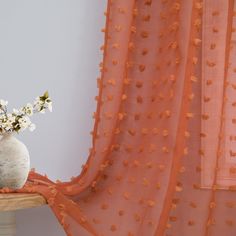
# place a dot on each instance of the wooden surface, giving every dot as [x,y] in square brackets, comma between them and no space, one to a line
[17,201]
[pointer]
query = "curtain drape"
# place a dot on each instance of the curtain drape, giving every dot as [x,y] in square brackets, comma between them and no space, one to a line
[163,159]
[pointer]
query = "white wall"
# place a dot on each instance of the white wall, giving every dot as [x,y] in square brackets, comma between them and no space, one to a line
[54,45]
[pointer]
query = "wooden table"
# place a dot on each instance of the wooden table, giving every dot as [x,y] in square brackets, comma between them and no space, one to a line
[9,203]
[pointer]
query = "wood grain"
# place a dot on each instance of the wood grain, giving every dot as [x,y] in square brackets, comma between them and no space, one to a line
[17,201]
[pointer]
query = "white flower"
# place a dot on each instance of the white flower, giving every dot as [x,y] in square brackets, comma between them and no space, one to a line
[24,122]
[5,126]
[38,104]
[28,109]
[32,127]
[50,106]
[3,103]
[11,118]
[7,122]
[2,117]
[19,119]
[16,112]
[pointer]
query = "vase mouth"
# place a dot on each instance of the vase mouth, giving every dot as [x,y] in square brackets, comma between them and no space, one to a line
[6,135]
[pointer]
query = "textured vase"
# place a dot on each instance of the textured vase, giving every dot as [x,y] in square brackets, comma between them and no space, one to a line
[14,162]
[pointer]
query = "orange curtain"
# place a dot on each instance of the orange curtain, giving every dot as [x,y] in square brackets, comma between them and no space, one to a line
[163,161]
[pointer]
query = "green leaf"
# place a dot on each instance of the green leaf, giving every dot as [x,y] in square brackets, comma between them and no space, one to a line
[46,95]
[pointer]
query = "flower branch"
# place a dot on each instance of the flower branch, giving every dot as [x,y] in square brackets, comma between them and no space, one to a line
[19,119]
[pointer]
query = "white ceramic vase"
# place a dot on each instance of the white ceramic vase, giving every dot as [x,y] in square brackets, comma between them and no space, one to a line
[14,162]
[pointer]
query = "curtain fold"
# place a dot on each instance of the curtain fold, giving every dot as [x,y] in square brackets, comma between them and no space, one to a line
[163,156]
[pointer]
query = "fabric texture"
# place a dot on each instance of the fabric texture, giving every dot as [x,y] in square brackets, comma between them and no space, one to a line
[164,140]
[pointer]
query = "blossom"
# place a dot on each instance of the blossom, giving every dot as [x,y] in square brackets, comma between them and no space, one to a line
[42,103]
[24,122]
[49,106]
[6,122]
[38,104]
[19,119]
[32,127]
[28,109]
[6,126]
[16,112]
[3,103]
